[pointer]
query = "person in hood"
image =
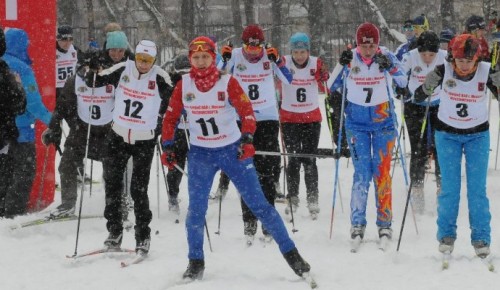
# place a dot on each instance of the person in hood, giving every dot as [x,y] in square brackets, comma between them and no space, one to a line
[23,152]
[12,103]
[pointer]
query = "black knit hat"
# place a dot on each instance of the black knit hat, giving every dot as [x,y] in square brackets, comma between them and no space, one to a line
[64,32]
[181,63]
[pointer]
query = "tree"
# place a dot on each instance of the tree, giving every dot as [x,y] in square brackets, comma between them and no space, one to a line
[238,26]
[316,23]
[249,11]
[187,19]
[447,15]
[277,21]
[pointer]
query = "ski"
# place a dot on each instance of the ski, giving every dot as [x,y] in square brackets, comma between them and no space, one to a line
[445,262]
[136,260]
[309,279]
[249,240]
[314,216]
[47,220]
[355,244]
[384,243]
[266,240]
[101,251]
[488,262]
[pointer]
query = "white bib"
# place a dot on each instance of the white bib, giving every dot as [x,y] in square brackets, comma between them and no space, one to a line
[464,104]
[212,119]
[137,101]
[256,79]
[366,86]
[302,94]
[419,70]
[65,65]
[100,103]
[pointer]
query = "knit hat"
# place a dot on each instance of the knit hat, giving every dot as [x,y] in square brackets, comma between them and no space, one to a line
[253,34]
[300,40]
[116,39]
[202,43]
[181,63]
[408,23]
[64,32]
[367,33]
[422,22]
[146,47]
[428,41]
[465,46]
[446,35]
[474,22]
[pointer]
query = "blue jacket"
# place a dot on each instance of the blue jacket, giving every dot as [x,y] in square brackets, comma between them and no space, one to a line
[19,62]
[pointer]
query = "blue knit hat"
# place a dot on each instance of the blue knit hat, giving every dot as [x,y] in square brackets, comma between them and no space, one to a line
[446,35]
[116,39]
[300,40]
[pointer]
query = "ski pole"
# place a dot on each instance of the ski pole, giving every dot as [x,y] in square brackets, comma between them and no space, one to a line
[158,155]
[42,180]
[336,181]
[285,165]
[220,213]
[91,108]
[498,138]
[91,176]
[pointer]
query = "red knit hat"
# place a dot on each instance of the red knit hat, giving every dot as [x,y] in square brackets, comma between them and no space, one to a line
[252,34]
[367,33]
[202,43]
[465,46]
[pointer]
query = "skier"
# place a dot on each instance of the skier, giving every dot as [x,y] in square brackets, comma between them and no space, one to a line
[476,26]
[67,56]
[174,176]
[12,103]
[300,118]
[420,24]
[80,105]
[254,67]
[370,124]
[445,36]
[142,90]
[463,128]
[22,152]
[213,101]
[417,63]
[410,37]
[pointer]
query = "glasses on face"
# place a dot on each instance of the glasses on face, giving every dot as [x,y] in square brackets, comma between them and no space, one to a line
[407,28]
[66,39]
[200,46]
[144,58]
[253,47]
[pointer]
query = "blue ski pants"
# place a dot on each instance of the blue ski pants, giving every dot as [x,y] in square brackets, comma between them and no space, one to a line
[202,166]
[450,148]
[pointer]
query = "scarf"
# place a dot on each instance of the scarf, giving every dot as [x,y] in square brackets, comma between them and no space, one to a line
[205,79]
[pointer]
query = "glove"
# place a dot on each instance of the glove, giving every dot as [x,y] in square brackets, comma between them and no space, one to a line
[168,157]
[94,63]
[495,79]
[384,62]
[322,75]
[432,80]
[346,57]
[246,149]
[50,136]
[403,94]
[227,51]
[272,54]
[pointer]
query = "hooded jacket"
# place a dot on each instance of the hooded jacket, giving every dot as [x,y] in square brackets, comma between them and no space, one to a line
[16,56]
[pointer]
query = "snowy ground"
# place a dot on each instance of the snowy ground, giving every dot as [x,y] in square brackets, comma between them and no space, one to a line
[34,257]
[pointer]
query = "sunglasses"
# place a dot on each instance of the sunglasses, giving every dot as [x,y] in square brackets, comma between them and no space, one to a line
[144,58]
[200,46]
[407,28]
[66,39]
[253,47]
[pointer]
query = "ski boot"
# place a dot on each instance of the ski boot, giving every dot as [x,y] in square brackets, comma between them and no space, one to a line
[142,246]
[296,262]
[446,245]
[114,241]
[194,270]
[250,229]
[482,249]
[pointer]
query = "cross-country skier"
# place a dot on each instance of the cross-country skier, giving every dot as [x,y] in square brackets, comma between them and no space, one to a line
[142,90]
[417,63]
[213,102]
[370,127]
[463,129]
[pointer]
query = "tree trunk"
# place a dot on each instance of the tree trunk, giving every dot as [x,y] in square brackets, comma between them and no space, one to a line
[187,19]
[238,26]
[447,15]
[316,21]
[90,17]
[277,22]
[249,11]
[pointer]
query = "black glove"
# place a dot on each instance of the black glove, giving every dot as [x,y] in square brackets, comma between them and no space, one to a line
[384,62]
[227,51]
[51,136]
[94,63]
[403,93]
[346,57]
[175,77]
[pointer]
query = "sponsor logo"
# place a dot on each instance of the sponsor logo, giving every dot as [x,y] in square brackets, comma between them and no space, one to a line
[241,67]
[312,72]
[126,79]
[480,87]
[221,96]
[109,89]
[266,65]
[451,83]
[355,70]
[82,89]
[151,85]
[417,69]
[189,97]
[73,54]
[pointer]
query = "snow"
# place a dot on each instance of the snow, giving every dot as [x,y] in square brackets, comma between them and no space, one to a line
[34,257]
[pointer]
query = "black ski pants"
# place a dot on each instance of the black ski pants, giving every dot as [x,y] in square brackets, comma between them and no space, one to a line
[114,163]
[421,149]
[174,176]
[302,138]
[266,138]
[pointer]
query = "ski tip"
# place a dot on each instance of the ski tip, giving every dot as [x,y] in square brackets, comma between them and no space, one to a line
[309,279]
[177,221]
[123,264]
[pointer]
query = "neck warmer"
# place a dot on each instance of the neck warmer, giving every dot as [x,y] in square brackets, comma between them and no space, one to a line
[205,79]
[253,58]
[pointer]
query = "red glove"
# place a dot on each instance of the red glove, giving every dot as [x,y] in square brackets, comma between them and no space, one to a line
[322,75]
[227,51]
[246,149]
[168,159]
[272,54]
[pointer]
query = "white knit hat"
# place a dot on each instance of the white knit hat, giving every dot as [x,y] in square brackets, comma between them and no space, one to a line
[147,47]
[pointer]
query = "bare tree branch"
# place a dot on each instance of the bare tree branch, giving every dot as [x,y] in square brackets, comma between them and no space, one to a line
[392,33]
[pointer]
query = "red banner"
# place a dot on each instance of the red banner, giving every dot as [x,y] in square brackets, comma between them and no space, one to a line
[38,19]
